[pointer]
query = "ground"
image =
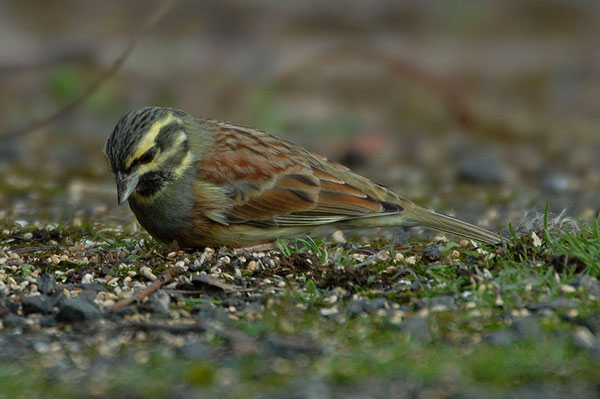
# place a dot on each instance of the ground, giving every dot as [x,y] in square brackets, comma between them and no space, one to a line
[364,318]
[488,112]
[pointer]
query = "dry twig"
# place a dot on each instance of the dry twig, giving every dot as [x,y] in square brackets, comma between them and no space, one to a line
[164,278]
[150,23]
[454,97]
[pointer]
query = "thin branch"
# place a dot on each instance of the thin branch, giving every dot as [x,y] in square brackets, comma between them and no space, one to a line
[54,56]
[453,96]
[150,23]
[164,278]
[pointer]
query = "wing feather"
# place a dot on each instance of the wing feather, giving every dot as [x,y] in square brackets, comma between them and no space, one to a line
[277,186]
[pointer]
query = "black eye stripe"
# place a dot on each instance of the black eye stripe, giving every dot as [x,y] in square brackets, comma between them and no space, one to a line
[167,134]
[147,156]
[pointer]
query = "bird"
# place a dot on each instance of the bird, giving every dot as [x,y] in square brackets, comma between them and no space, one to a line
[207,183]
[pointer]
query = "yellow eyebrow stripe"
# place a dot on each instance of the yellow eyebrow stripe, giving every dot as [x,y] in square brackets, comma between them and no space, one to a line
[148,140]
[161,157]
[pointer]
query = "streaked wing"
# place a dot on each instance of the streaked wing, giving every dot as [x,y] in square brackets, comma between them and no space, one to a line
[267,182]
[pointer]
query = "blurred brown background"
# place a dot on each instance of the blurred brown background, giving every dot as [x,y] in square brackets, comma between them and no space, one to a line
[485,109]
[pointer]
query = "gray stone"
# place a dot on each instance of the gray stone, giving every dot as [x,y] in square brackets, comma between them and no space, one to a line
[76,310]
[442,303]
[159,303]
[482,169]
[126,311]
[13,321]
[195,350]
[527,327]
[432,253]
[46,283]
[356,307]
[590,284]
[504,338]
[373,305]
[37,304]
[417,327]
[48,321]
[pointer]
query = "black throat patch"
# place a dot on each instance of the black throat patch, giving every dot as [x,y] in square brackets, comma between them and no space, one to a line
[152,182]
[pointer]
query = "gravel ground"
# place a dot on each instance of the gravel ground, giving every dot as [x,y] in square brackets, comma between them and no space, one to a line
[59,284]
[419,318]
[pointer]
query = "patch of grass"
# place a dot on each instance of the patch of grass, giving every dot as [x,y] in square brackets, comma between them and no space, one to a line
[490,291]
[582,246]
[301,245]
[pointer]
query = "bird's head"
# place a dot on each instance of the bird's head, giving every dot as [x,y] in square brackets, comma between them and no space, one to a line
[147,150]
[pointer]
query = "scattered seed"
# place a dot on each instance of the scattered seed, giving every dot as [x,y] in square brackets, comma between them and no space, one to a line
[567,289]
[252,265]
[147,272]
[383,256]
[338,237]
[329,311]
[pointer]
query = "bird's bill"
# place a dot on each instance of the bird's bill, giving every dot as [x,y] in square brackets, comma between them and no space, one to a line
[126,185]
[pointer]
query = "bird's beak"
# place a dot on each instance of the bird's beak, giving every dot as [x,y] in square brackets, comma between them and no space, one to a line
[126,185]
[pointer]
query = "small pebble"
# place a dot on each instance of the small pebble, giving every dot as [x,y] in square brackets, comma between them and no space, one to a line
[46,283]
[338,237]
[584,338]
[147,272]
[252,265]
[359,257]
[208,253]
[383,256]
[329,311]
[567,289]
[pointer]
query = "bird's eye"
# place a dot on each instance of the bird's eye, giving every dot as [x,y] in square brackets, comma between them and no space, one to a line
[147,157]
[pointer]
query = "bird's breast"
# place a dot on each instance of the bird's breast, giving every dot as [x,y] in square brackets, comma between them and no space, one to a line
[166,214]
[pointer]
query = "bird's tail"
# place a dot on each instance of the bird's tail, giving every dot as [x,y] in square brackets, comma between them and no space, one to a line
[428,218]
